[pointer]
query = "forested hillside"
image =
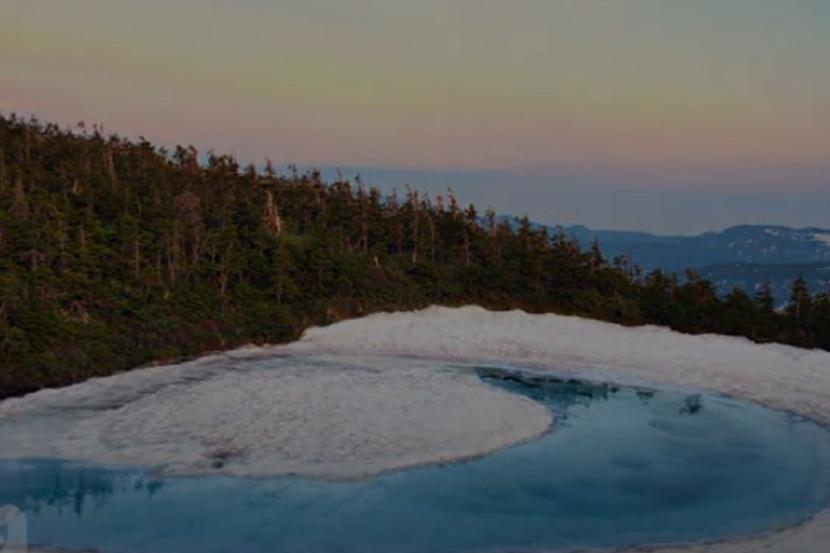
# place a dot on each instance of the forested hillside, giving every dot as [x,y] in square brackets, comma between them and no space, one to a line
[116,253]
[779,276]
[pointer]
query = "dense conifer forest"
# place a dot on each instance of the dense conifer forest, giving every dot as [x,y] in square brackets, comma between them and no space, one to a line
[116,253]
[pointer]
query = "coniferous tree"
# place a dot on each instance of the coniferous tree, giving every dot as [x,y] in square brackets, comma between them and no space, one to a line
[800,301]
[115,253]
[764,299]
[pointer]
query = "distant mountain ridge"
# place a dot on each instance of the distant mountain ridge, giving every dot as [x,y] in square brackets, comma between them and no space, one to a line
[740,244]
[744,256]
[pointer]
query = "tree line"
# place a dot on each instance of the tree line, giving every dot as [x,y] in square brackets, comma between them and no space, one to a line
[115,253]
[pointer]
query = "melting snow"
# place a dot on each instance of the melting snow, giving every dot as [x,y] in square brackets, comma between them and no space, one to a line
[780,376]
[324,417]
[371,414]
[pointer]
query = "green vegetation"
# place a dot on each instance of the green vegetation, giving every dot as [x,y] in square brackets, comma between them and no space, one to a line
[116,253]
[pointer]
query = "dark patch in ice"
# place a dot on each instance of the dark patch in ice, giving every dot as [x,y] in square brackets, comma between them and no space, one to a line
[550,385]
[692,405]
[220,456]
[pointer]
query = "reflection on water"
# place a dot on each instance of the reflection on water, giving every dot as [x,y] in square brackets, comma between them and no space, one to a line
[622,466]
[558,393]
[66,487]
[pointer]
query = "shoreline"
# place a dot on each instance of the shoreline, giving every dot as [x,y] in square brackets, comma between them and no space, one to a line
[471,334]
[779,377]
[201,418]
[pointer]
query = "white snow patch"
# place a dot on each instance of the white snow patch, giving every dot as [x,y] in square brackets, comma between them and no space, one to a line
[823,237]
[263,418]
[322,417]
[779,376]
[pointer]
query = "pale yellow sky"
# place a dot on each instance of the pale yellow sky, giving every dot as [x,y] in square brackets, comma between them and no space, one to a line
[648,89]
[466,83]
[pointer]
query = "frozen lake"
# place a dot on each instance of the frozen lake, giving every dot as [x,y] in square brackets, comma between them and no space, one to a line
[621,466]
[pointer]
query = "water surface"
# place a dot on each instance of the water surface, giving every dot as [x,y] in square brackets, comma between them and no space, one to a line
[622,466]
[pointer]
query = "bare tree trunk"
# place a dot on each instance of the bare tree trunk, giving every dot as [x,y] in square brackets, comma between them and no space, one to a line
[20,207]
[468,258]
[364,224]
[173,255]
[273,221]
[225,271]
[63,238]
[413,202]
[3,171]
[27,153]
[110,164]
[431,224]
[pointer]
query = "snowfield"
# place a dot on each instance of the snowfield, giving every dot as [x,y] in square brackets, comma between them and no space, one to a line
[778,376]
[375,415]
[337,418]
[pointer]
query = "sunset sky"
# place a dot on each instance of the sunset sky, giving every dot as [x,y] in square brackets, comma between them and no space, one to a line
[664,115]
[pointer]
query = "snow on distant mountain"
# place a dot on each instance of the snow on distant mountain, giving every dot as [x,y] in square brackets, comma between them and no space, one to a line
[822,236]
[741,244]
[743,256]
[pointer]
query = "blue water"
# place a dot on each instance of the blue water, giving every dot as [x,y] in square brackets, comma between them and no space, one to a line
[622,466]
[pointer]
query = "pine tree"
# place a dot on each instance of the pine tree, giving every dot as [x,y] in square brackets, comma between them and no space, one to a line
[764,299]
[800,300]
[115,253]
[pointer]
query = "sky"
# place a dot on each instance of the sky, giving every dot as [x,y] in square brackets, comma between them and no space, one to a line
[673,116]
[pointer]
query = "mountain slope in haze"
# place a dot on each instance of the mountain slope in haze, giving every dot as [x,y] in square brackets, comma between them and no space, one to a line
[763,244]
[744,257]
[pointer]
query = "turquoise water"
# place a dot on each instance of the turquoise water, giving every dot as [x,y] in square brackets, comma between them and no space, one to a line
[622,466]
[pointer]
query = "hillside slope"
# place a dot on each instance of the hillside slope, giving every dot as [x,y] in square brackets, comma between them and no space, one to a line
[115,253]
